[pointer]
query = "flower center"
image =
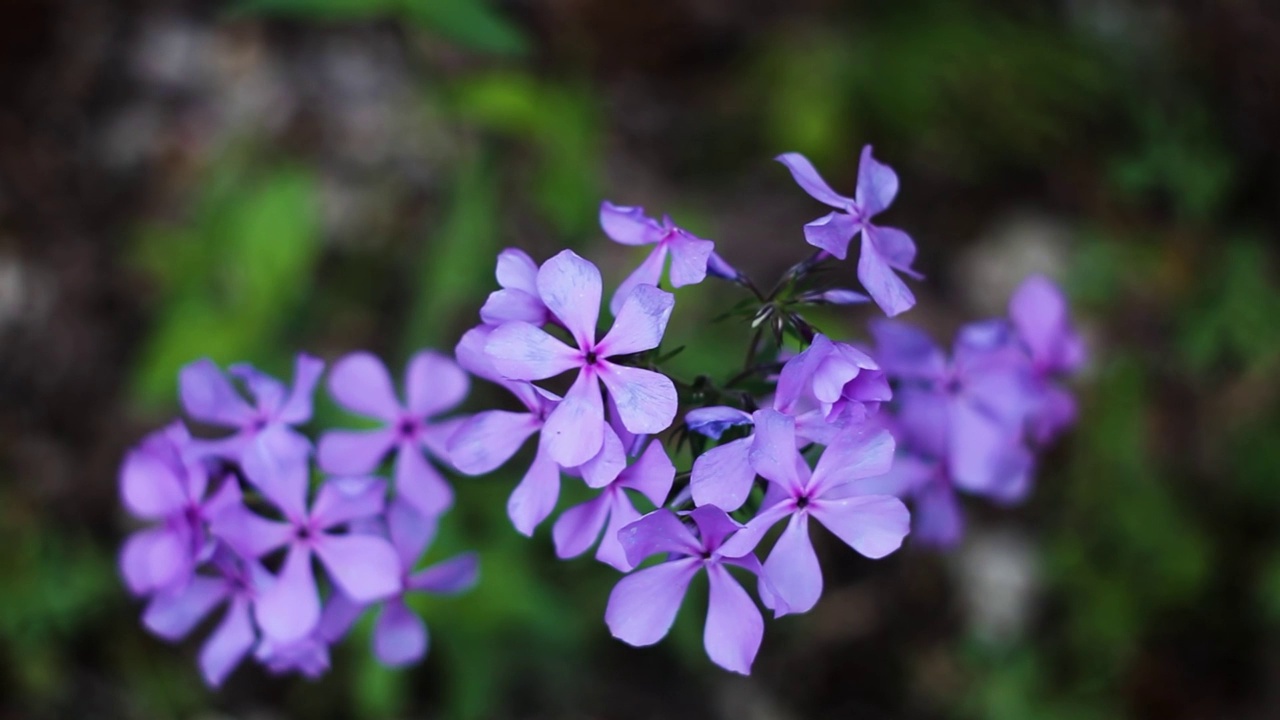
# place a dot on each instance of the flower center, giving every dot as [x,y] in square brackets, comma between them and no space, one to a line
[407,428]
[802,502]
[592,358]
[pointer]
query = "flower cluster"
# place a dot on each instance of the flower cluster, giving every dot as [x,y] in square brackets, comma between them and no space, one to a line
[810,428]
[238,518]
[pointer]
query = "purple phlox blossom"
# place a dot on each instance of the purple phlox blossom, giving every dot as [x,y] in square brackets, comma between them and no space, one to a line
[400,636]
[161,481]
[872,524]
[434,385]
[209,396]
[884,249]
[841,382]
[645,400]
[643,605]
[689,254]
[968,411]
[364,567]
[518,299]
[173,614]
[1042,319]
[577,528]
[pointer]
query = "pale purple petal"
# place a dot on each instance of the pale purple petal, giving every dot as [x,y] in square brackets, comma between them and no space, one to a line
[640,324]
[877,276]
[856,454]
[1038,310]
[578,528]
[435,437]
[400,636]
[628,225]
[607,464]
[574,431]
[621,514]
[343,499]
[719,267]
[907,475]
[360,383]
[517,271]
[535,497]
[248,534]
[171,615]
[793,568]
[354,452]
[339,614]
[810,181]
[896,247]
[905,351]
[487,440]
[290,608]
[796,379]
[689,256]
[504,306]
[471,356]
[155,559]
[643,605]
[281,475]
[652,474]
[648,272]
[520,351]
[434,384]
[746,539]
[418,482]
[306,373]
[208,396]
[842,296]
[646,400]
[455,575]
[936,517]
[713,421]
[659,531]
[365,567]
[570,286]
[267,392]
[832,232]
[773,454]
[1055,412]
[714,525]
[874,525]
[228,644]
[150,486]
[923,420]
[877,184]
[409,531]
[734,626]
[722,476]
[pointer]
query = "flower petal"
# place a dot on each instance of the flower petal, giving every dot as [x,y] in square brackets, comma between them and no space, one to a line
[689,256]
[535,497]
[574,431]
[746,539]
[734,626]
[810,181]
[773,453]
[228,644]
[621,514]
[400,636]
[517,271]
[855,454]
[150,483]
[793,568]
[171,615]
[874,525]
[487,440]
[832,232]
[652,474]
[877,276]
[504,306]
[343,499]
[714,525]
[722,476]
[640,323]
[643,605]
[306,373]
[520,351]
[936,519]
[364,566]
[628,225]
[208,396]
[409,531]
[713,421]
[877,184]
[896,247]
[354,452]
[360,383]
[155,559]
[659,531]
[248,534]
[434,383]
[905,351]
[290,608]
[570,287]
[578,528]
[418,481]
[607,464]
[646,400]
[455,575]
[648,272]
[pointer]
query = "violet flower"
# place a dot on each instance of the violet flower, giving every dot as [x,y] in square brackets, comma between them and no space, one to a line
[872,524]
[840,381]
[1039,313]
[518,299]
[643,605]
[630,226]
[577,528]
[646,401]
[157,482]
[208,396]
[884,250]
[362,566]
[434,385]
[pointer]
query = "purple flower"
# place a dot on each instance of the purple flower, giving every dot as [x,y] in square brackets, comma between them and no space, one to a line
[872,524]
[884,250]
[157,482]
[364,567]
[839,380]
[518,299]
[434,384]
[646,401]
[643,605]
[173,614]
[721,476]
[578,527]
[936,517]
[399,636]
[689,254]
[208,396]
[1039,313]
[968,411]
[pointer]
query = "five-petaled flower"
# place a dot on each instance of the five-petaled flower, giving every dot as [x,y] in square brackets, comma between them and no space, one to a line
[630,226]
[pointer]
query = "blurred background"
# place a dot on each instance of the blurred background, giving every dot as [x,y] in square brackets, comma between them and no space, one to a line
[243,180]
